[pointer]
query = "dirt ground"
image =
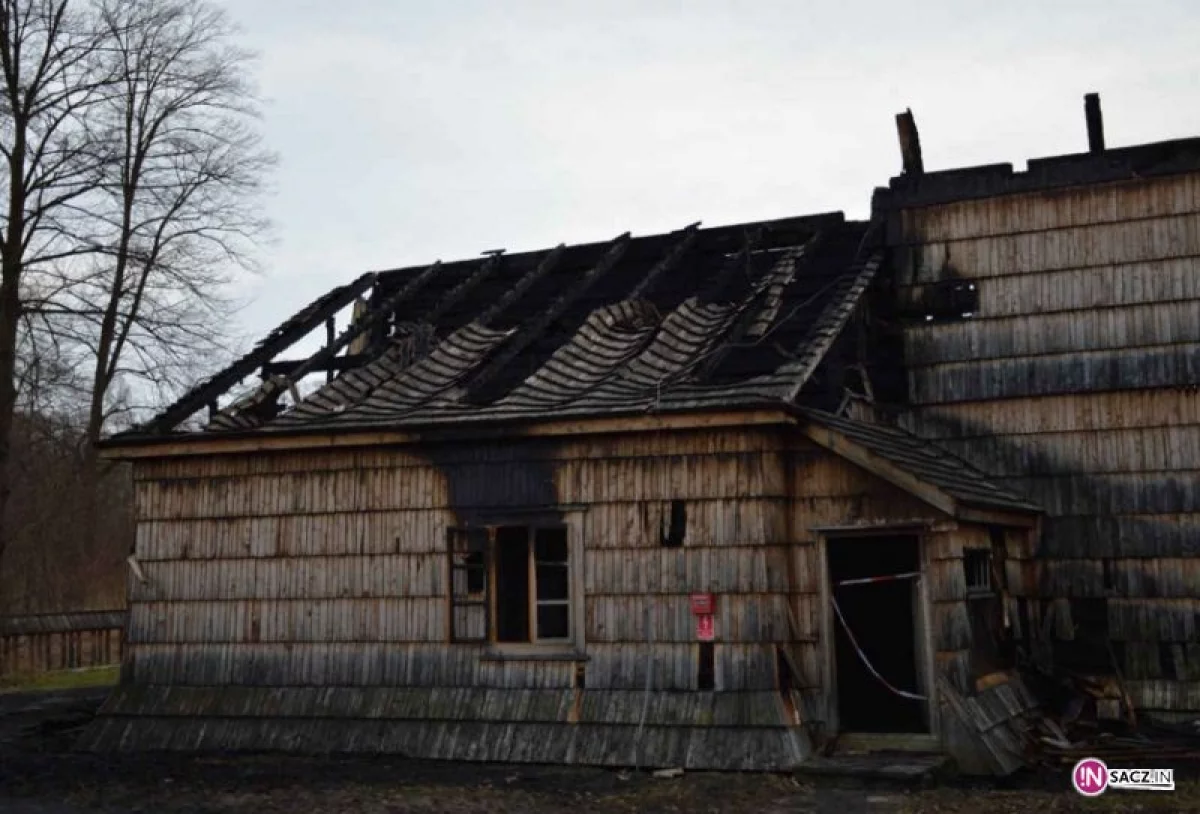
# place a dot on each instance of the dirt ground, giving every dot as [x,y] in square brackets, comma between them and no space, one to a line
[39,774]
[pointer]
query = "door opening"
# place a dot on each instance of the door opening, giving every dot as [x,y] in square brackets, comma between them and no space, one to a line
[882,619]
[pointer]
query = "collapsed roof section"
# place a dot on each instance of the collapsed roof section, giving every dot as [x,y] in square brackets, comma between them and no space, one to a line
[693,319]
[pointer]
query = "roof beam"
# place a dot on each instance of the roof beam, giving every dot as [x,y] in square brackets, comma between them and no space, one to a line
[548,262]
[240,442]
[750,316]
[828,325]
[678,250]
[460,291]
[283,337]
[750,241]
[376,315]
[286,367]
[264,399]
[533,329]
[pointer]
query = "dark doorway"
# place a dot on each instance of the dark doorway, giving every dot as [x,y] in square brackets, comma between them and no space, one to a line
[881,617]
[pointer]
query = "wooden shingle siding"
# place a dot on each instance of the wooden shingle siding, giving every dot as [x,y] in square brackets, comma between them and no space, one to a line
[1076,382]
[275,575]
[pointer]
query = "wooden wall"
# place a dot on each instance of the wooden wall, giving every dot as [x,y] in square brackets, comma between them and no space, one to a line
[1075,382]
[329,569]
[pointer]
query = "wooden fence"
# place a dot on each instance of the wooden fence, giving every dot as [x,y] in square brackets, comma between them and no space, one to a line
[60,641]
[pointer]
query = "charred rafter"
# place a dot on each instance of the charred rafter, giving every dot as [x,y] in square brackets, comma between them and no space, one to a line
[376,317]
[491,315]
[283,337]
[839,306]
[288,367]
[371,370]
[461,291]
[785,268]
[532,330]
[664,266]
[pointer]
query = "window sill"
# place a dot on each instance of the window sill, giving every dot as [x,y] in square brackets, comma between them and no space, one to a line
[534,653]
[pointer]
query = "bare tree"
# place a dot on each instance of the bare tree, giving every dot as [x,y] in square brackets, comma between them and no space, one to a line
[134,171]
[176,215]
[49,82]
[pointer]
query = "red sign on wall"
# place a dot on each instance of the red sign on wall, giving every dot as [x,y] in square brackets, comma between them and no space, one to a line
[705,630]
[703,604]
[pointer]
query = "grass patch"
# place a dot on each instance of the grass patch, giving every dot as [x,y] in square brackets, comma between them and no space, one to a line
[105,676]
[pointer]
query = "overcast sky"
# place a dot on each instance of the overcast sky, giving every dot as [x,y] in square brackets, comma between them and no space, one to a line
[411,130]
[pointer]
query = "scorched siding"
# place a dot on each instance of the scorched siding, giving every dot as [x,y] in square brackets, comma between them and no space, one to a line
[1075,381]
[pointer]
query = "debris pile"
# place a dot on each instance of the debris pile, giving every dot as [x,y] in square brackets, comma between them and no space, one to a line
[1092,716]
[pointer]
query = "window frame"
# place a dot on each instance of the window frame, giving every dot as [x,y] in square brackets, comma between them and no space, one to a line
[978,562]
[455,601]
[569,525]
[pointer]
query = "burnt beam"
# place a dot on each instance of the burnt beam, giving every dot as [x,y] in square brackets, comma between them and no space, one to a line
[548,262]
[785,268]
[330,333]
[283,337]
[377,316]
[678,250]
[751,240]
[464,288]
[1095,122]
[532,330]
[288,367]
[910,143]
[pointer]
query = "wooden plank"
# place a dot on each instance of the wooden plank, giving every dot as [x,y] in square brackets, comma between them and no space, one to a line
[1156,449]
[1122,242]
[1118,410]
[1085,372]
[298,577]
[1024,292]
[1094,329]
[214,444]
[1088,205]
[391,619]
[720,569]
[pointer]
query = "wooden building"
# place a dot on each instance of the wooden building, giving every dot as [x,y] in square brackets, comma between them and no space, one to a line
[703,499]
[1052,338]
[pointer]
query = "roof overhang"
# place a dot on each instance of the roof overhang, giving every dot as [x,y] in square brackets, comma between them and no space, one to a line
[929,493]
[234,443]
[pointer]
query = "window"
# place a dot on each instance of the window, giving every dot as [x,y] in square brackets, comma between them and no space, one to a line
[511,584]
[977,563]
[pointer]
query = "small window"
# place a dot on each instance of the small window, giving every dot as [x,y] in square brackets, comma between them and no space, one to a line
[674,524]
[977,563]
[528,571]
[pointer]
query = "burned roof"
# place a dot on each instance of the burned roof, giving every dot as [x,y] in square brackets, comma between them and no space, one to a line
[692,319]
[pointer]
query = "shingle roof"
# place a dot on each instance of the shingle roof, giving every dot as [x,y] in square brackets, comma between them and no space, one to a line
[925,461]
[693,319]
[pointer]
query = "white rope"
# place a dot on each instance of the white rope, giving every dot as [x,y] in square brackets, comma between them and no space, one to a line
[888,578]
[863,657]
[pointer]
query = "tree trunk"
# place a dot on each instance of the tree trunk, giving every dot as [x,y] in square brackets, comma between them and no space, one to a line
[10,313]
